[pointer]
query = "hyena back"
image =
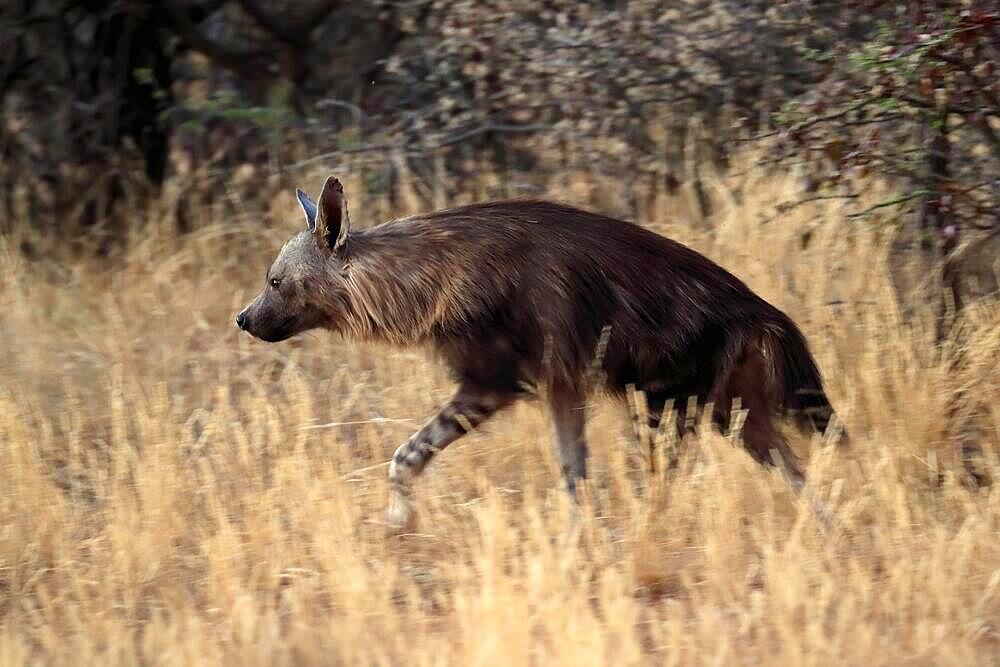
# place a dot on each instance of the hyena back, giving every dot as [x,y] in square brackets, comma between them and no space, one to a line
[527,294]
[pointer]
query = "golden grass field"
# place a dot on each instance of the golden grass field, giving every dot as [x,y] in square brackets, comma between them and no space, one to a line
[173,492]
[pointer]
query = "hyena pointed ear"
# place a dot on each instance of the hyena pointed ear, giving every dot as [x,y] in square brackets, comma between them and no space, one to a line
[308,207]
[332,220]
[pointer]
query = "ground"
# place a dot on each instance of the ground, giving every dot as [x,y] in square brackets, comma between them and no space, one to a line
[175,492]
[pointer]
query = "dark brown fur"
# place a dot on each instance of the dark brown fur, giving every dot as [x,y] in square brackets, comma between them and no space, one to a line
[516,295]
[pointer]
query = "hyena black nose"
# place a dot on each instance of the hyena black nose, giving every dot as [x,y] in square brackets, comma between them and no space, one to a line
[241,321]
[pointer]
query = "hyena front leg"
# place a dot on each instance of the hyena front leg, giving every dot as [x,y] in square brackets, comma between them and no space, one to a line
[467,409]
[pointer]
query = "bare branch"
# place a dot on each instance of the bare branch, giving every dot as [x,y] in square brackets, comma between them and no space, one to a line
[895,201]
[816,120]
[787,206]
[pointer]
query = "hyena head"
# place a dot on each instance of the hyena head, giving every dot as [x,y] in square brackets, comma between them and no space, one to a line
[305,286]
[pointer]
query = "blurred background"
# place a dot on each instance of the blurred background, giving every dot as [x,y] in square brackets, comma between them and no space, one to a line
[173,492]
[109,107]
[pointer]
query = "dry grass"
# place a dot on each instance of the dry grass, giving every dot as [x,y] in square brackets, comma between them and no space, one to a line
[173,492]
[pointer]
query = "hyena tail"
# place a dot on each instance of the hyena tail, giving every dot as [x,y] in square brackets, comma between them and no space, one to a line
[796,382]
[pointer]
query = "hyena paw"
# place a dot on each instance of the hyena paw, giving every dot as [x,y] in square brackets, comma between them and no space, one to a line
[400,515]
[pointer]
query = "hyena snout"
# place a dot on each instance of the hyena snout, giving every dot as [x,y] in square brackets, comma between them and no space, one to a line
[272,324]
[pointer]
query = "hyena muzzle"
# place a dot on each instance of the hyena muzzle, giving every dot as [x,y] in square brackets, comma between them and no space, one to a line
[525,297]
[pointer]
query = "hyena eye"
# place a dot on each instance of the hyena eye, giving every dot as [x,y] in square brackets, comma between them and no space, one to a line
[275,283]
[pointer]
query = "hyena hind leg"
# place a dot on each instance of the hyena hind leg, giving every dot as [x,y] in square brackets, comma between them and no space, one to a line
[768,447]
[760,438]
[467,409]
[570,419]
[812,413]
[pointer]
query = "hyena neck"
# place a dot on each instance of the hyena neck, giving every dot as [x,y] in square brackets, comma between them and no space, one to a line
[398,289]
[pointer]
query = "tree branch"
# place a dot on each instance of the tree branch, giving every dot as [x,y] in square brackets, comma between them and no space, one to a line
[290,32]
[895,201]
[816,120]
[244,63]
[983,90]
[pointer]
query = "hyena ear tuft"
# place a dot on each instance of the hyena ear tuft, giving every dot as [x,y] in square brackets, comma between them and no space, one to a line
[308,207]
[332,219]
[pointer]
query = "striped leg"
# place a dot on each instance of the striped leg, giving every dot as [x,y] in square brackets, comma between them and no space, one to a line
[467,409]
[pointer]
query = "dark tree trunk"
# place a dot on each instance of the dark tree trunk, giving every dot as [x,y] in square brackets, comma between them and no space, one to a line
[134,71]
[940,232]
[939,229]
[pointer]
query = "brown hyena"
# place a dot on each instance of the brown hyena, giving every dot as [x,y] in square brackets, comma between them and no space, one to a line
[518,295]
